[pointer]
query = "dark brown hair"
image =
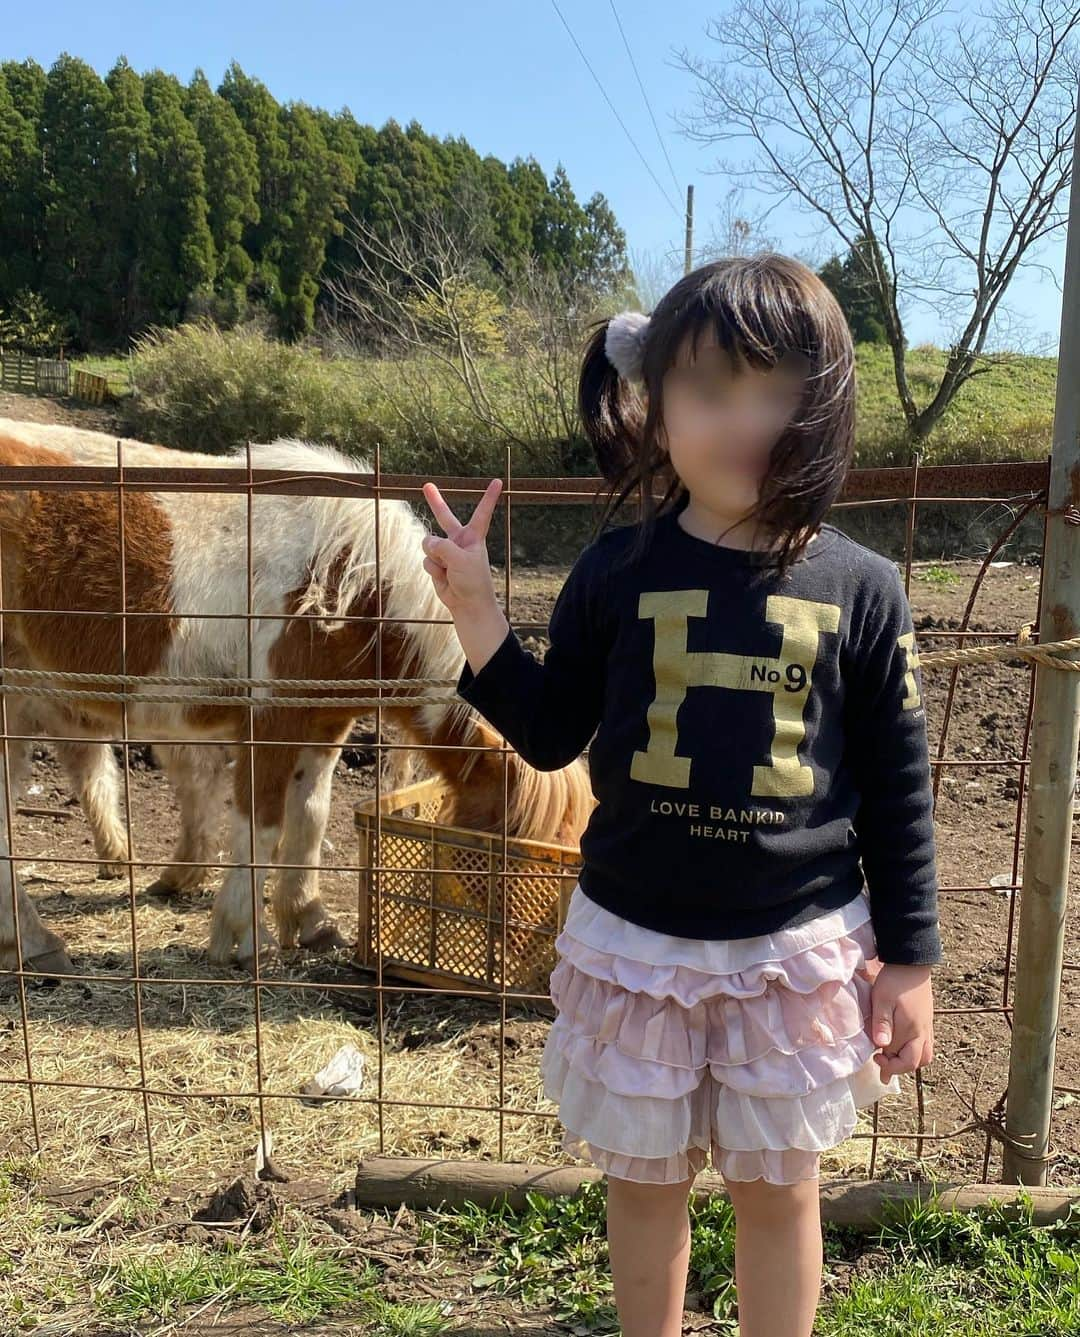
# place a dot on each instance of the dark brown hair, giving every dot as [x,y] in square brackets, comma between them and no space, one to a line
[762,308]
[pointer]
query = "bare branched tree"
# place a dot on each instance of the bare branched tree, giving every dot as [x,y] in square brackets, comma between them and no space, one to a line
[403,278]
[546,326]
[655,271]
[423,296]
[738,229]
[947,145]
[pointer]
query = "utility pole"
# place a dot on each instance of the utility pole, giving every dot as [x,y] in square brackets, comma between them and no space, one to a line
[688,258]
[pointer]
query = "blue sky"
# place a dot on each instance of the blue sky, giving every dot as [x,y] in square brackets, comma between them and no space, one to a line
[506,76]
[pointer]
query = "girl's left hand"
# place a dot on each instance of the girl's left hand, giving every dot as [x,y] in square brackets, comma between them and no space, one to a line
[902,1018]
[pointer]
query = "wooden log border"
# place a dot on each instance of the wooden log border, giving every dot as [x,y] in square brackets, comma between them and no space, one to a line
[866,1204]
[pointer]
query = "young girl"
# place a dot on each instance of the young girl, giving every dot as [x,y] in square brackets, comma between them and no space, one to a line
[746,957]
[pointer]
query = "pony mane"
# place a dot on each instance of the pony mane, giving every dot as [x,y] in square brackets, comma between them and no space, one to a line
[341,570]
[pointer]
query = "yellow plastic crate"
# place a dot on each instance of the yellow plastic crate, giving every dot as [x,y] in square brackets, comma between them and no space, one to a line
[446,927]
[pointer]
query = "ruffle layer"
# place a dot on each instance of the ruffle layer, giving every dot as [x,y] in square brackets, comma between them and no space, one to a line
[801,972]
[721,1030]
[594,926]
[773,1074]
[778,1167]
[655,1126]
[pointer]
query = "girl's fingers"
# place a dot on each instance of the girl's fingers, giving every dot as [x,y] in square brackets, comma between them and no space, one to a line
[444,551]
[442,512]
[906,1054]
[485,508]
[434,569]
[902,1061]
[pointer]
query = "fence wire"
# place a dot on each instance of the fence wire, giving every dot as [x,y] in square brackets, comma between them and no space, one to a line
[1008,495]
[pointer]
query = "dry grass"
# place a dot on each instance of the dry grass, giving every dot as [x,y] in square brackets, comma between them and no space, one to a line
[201,1038]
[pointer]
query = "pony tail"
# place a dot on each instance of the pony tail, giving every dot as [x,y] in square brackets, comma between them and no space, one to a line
[611,412]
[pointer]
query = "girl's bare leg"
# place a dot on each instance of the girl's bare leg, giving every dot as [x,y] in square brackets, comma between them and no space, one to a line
[778,1256]
[648,1229]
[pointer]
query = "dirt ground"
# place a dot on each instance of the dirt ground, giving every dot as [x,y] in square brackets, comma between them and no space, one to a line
[37,408]
[445,1051]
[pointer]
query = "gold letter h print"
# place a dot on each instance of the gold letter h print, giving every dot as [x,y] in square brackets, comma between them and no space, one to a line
[786,677]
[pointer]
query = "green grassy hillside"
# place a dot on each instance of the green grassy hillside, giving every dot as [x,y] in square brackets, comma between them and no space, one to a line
[201,389]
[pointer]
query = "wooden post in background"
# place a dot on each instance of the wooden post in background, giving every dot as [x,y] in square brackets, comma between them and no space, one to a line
[1054,739]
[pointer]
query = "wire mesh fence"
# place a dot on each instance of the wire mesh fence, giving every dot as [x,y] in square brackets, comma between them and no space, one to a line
[240,618]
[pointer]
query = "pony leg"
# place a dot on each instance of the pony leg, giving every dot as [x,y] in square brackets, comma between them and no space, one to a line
[198,774]
[231,920]
[298,908]
[91,767]
[95,777]
[20,752]
[42,949]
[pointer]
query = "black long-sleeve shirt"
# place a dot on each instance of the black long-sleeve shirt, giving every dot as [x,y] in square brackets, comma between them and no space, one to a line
[760,750]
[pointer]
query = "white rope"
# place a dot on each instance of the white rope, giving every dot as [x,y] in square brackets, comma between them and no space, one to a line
[27,682]
[255,702]
[153,680]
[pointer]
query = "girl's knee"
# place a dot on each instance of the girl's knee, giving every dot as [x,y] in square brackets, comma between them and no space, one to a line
[761,1199]
[646,1197]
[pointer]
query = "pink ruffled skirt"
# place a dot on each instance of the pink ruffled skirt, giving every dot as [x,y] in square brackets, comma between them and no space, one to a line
[756,1049]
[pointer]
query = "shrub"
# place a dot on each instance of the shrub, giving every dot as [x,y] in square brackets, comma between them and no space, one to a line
[201,388]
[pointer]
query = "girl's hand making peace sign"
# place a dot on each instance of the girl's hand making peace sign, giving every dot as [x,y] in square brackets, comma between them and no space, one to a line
[459,569]
[458,564]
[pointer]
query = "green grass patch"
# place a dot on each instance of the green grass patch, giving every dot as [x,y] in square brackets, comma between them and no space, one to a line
[116,370]
[926,1271]
[1004,413]
[941,577]
[200,388]
[294,1280]
[938,1273]
[554,1253]
[133,1281]
[953,1273]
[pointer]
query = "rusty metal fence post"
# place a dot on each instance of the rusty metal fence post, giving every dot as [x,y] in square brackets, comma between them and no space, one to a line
[1054,739]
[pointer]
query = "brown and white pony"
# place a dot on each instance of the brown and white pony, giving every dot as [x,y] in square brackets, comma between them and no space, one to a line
[185,558]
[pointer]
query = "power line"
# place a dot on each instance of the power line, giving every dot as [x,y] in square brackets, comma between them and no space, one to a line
[630,137]
[637,76]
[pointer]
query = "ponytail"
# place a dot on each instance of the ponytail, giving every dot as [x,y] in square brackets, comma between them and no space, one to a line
[610,410]
[616,423]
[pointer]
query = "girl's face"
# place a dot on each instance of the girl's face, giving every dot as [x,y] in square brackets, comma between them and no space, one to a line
[722,421]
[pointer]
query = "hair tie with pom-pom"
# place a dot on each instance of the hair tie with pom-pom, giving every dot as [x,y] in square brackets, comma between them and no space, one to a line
[624,343]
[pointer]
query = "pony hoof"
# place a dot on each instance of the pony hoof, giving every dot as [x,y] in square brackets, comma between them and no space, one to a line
[163,888]
[52,964]
[171,883]
[325,939]
[111,871]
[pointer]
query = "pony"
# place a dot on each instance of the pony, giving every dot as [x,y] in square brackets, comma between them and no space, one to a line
[314,601]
